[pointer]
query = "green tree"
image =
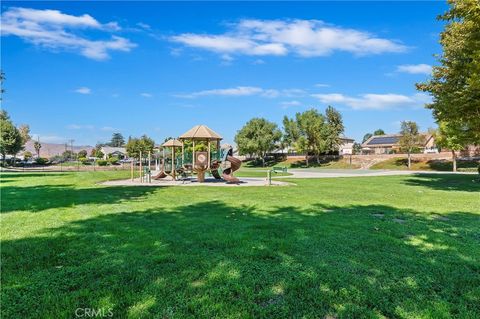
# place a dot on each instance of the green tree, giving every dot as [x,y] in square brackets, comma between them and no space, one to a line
[455,83]
[68,155]
[143,144]
[379,132]
[333,130]
[11,141]
[37,147]
[27,155]
[291,133]
[258,137]
[82,153]
[311,125]
[24,130]
[410,138]
[447,137]
[357,148]
[117,140]
[366,137]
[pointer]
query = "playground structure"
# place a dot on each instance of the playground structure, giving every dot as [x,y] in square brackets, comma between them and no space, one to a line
[198,151]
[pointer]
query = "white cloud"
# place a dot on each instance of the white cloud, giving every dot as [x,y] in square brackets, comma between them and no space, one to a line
[147,95]
[415,68]
[54,30]
[306,38]
[244,91]
[144,26]
[287,104]
[374,101]
[322,85]
[83,90]
[80,127]
[258,61]
[108,129]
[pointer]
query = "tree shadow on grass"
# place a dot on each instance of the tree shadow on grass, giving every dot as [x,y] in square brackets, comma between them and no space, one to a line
[38,198]
[451,182]
[215,260]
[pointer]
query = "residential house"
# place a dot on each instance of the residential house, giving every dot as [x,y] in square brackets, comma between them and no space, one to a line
[387,144]
[109,151]
[346,148]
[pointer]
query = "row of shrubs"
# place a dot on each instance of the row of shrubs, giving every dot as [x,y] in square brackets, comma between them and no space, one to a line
[83,160]
[100,162]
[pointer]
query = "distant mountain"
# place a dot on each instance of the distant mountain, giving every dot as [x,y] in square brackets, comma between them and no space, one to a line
[50,149]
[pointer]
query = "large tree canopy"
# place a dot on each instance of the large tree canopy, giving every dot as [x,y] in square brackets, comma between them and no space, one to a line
[455,84]
[258,137]
[117,140]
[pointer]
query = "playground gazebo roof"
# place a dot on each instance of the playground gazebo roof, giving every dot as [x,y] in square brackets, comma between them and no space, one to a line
[172,142]
[200,132]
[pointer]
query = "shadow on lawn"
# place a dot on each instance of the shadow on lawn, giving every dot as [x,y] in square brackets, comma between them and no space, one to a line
[38,198]
[454,182]
[215,260]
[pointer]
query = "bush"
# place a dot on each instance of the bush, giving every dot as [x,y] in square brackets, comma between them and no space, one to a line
[83,160]
[41,161]
[102,162]
[27,155]
[113,160]
[479,169]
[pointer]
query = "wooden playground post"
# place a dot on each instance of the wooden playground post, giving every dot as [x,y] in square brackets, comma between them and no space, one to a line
[131,170]
[183,153]
[149,160]
[208,155]
[141,176]
[193,155]
[173,162]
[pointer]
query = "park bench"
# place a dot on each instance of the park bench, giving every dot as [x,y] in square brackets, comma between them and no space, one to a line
[279,169]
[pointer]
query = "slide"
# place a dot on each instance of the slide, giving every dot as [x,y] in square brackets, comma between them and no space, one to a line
[214,170]
[161,174]
[228,173]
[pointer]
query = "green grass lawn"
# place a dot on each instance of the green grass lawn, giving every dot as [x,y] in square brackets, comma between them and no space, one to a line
[364,247]
[431,165]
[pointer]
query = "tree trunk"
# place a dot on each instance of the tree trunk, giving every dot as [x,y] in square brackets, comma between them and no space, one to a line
[409,161]
[454,159]
[263,161]
[318,158]
[306,159]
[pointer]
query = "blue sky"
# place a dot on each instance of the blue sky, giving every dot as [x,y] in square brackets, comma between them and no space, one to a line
[83,70]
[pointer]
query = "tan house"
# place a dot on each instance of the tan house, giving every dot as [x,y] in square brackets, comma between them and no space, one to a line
[346,148]
[387,144]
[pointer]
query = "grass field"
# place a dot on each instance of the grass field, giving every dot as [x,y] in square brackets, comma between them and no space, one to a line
[373,247]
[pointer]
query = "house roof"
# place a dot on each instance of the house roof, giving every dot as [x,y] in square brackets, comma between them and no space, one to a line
[110,150]
[172,142]
[200,132]
[390,140]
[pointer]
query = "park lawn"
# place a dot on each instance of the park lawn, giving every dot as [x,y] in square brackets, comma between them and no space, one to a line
[395,247]
[431,165]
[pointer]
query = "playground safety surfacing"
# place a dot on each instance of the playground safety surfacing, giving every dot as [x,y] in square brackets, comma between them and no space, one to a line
[244,182]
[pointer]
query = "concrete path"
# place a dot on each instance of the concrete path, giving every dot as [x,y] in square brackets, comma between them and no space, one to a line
[328,173]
